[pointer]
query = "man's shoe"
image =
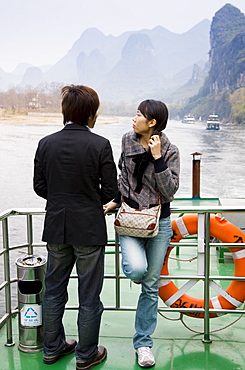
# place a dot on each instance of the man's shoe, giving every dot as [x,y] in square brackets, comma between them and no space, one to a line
[145,357]
[100,357]
[69,348]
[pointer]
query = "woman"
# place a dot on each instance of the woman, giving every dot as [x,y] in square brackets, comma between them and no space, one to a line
[149,167]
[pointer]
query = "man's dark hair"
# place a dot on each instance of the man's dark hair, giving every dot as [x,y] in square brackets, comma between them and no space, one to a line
[79,103]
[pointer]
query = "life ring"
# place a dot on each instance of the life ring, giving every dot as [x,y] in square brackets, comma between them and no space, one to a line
[230,298]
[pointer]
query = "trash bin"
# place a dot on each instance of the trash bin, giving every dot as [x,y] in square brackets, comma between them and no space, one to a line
[31,277]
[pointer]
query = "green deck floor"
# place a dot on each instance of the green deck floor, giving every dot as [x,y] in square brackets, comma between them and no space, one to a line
[175,347]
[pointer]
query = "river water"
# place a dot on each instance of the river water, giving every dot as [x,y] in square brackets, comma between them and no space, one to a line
[222,160]
[222,163]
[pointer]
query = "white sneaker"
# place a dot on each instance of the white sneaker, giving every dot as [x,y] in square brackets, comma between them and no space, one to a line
[145,357]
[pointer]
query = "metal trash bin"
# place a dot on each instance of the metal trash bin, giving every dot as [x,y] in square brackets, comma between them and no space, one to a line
[31,277]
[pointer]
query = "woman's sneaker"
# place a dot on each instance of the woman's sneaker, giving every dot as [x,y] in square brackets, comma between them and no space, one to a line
[145,357]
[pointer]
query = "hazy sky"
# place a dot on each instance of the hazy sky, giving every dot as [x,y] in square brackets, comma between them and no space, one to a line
[41,32]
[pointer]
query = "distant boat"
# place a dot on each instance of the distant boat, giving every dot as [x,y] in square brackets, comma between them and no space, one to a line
[188,119]
[213,122]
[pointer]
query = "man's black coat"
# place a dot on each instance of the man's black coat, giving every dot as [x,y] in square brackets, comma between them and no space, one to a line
[75,172]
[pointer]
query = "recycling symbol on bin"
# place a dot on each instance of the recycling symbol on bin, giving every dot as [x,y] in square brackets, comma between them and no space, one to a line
[31,313]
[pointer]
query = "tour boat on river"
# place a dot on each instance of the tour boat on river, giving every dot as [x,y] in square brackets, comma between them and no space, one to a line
[188,119]
[213,122]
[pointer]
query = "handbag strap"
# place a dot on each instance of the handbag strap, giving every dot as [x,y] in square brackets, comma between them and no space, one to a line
[159,197]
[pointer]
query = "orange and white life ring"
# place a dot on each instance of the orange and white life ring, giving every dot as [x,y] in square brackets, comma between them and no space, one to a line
[230,298]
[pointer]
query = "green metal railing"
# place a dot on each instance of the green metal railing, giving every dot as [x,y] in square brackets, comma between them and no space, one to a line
[204,219]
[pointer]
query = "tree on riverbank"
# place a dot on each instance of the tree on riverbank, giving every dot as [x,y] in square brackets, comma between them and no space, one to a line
[45,97]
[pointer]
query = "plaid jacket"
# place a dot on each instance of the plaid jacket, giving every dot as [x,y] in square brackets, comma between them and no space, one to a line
[160,175]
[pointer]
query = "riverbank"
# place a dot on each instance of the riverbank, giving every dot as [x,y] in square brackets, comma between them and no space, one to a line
[39,117]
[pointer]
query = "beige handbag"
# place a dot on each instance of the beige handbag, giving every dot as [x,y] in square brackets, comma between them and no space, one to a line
[138,223]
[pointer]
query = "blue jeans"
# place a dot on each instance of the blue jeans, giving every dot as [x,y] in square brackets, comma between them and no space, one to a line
[90,270]
[142,259]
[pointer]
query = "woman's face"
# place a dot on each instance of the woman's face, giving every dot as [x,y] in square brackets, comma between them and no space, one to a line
[141,125]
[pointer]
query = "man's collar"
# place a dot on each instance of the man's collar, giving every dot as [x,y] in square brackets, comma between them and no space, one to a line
[71,125]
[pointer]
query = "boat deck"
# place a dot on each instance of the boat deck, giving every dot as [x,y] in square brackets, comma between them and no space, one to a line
[175,345]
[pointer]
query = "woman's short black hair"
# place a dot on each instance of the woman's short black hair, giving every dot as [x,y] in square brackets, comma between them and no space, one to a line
[155,109]
[79,103]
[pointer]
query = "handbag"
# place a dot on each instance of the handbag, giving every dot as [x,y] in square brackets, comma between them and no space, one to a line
[143,223]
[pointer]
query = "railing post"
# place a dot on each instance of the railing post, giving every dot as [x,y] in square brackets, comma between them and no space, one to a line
[206,338]
[196,174]
[117,271]
[7,287]
[29,234]
[201,244]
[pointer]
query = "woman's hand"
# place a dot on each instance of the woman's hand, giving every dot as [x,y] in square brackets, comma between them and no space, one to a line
[109,207]
[155,146]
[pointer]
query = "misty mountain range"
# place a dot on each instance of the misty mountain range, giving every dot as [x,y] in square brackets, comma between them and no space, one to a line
[153,63]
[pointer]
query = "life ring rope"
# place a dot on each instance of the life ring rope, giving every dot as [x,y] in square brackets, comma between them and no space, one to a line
[230,298]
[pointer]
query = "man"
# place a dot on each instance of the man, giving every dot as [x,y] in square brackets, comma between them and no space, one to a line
[75,172]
